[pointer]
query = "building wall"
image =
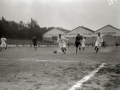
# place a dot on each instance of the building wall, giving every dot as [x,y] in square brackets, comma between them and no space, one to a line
[108,30]
[110,35]
[48,36]
[81,31]
[53,32]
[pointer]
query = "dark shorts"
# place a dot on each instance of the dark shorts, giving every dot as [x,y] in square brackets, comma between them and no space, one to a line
[35,44]
[77,44]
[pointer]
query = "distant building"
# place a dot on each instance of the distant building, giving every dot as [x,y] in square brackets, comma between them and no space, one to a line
[108,30]
[52,34]
[111,35]
[85,32]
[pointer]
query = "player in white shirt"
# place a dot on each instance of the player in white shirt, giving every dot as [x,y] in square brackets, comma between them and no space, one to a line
[62,43]
[83,44]
[98,42]
[3,42]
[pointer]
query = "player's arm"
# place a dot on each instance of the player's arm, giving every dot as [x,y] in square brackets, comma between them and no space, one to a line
[64,38]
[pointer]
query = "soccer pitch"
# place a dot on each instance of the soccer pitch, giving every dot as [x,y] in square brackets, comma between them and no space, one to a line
[23,68]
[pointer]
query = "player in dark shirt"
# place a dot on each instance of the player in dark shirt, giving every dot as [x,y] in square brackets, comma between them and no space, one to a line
[78,40]
[35,42]
[103,44]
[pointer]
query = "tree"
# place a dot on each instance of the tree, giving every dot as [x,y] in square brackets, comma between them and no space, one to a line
[11,29]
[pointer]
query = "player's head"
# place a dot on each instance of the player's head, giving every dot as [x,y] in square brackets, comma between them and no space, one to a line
[59,36]
[34,37]
[78,34]
[2,36]
[98,33]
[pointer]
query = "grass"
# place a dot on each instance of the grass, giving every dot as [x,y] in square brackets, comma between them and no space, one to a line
[20,70]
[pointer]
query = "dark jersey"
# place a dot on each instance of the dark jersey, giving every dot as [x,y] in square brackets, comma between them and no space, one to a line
[78,38]
[34,42]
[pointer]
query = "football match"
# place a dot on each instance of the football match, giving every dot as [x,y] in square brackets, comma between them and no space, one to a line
[59,45]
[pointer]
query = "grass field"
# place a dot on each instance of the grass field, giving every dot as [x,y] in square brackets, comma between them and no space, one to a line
[23,68]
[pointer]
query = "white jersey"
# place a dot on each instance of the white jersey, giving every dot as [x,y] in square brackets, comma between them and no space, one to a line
[83,42]
[62,42]
[3,44]
[98,41]
[3,40]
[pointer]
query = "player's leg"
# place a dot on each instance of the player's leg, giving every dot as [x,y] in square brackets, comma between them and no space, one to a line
[36,46]
[76,48]
[83,48]
[80,48]
[62,48]
[98,46]
[1,46]
[95,47]
[65,49]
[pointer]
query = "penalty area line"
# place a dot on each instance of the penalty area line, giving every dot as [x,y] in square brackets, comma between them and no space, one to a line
[51,60]
[79,84]
[55,61]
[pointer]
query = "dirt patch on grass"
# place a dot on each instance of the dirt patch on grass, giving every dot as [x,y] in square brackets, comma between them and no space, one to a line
[113,75]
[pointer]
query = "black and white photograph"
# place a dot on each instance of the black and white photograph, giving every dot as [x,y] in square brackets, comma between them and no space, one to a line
[59,44]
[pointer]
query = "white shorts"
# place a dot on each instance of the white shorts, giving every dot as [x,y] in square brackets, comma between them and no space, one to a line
[3,44]
[62,45]
[83,45]
[98,44]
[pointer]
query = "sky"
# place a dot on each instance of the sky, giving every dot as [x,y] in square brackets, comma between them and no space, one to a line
[68,14]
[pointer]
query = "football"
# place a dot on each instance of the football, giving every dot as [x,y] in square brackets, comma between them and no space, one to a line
[55,51]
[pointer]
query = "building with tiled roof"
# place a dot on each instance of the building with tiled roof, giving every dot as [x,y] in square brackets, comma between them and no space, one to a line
[52,34]
[111,35]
